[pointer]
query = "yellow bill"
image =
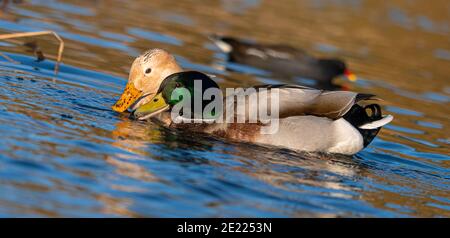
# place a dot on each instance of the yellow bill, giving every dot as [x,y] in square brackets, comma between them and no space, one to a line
[156,105]
[128,97]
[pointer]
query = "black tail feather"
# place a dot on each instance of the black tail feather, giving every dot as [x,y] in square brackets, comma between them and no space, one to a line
[358,116]
[364,96]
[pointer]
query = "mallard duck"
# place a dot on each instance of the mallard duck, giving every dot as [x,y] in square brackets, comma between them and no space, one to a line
[309,119]
[146,74]
[283,61]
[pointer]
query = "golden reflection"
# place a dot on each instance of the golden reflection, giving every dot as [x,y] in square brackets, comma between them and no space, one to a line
[116,206]
[133,137]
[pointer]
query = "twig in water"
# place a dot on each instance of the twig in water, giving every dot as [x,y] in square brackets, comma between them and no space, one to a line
[34,47]
[39,33]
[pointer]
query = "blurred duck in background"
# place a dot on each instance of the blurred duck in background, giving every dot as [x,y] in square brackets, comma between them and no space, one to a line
[284,61]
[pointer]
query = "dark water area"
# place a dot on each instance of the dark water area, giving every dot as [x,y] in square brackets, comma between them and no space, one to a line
[64,152]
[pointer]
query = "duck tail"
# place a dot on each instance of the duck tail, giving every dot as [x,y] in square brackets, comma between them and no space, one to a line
[368,120]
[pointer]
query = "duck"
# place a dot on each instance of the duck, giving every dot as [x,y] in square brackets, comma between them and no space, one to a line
[284,61]
[147,72]
[308,120]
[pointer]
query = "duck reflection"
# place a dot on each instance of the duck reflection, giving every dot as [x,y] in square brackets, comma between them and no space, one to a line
[183,146]
[150,140]
[303,168]
[132,137]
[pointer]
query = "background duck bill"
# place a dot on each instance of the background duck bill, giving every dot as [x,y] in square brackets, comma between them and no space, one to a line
[128,97]
[350,76]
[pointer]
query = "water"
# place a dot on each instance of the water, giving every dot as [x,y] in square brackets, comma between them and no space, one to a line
[63,152]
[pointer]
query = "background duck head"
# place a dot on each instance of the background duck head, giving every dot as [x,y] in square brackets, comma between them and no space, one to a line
[146,74]
[336,68]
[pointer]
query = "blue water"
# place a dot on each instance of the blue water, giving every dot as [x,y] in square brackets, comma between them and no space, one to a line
[65,153]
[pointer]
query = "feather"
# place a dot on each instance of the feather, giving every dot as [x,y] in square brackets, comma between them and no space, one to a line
[377,124]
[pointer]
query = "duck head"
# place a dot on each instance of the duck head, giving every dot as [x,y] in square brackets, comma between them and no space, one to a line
[173,90]
[337,67]
[146,74]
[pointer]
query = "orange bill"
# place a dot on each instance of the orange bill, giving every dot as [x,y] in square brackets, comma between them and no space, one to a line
[352,77]
[128,97]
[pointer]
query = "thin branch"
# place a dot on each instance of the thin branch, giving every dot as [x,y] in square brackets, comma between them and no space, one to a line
[39,33]
[8,58]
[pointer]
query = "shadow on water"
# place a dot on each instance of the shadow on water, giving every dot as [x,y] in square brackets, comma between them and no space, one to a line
[65,153]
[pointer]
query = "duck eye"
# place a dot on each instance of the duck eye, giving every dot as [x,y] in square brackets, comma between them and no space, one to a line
[177,85]
[147,71]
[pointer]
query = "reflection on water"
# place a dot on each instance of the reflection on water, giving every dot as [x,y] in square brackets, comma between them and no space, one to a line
[65,153]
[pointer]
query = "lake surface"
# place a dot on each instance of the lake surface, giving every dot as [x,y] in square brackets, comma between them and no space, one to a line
[64,152]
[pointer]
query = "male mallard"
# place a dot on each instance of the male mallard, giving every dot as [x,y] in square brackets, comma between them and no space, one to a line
[309,119]
[146,74]
[283,61]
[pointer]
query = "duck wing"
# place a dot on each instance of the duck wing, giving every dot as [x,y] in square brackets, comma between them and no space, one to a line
[295,100]
[278,52]
[239,48]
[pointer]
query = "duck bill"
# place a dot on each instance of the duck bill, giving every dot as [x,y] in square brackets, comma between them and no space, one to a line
[128,98]
[350,76]
[156,105]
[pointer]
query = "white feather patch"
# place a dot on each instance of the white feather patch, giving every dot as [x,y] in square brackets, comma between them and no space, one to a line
[223,46]
[256,52]
[278,54]
[376,124]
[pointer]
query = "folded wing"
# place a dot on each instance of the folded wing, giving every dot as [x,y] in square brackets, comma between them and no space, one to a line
[298,100]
